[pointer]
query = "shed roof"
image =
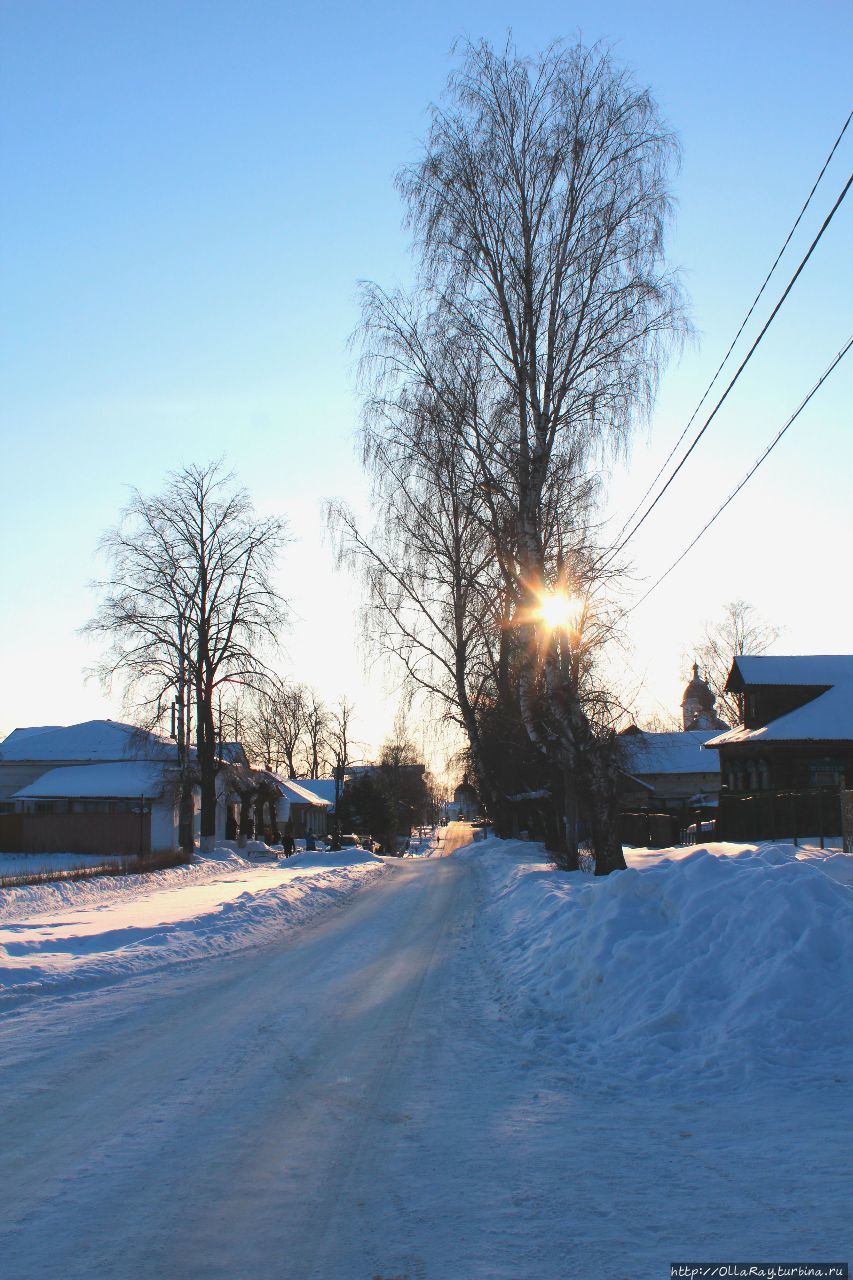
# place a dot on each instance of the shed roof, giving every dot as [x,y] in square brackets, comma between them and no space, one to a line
[646,753]
[123,780]
[323,788]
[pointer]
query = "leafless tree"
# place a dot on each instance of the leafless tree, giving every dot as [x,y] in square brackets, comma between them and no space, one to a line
[741,630]
[188,605]
[661,722]
[316,726]
[260,724]
[290,710]
[340,740]
[541,322]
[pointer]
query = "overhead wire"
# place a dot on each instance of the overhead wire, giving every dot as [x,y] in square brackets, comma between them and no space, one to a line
[619,542]
[835,362]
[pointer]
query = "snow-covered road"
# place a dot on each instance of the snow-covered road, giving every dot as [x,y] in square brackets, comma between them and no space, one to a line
[357,1101]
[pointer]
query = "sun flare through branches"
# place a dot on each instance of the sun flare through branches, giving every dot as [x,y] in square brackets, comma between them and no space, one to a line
[559,611]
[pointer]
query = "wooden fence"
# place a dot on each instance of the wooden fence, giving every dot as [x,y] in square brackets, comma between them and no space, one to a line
[780,815]
[75,833]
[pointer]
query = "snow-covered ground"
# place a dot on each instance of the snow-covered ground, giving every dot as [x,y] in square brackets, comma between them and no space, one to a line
[61,934]
[36,864]
[719,962]
[481,1069]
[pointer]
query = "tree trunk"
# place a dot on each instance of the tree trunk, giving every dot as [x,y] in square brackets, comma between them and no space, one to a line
[275,837]
[186,813]
[206,749]
[246,828]
[569,818]
[601,780]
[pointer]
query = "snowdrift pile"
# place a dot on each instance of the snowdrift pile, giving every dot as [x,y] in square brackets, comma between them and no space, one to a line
[61,933]
[727,961]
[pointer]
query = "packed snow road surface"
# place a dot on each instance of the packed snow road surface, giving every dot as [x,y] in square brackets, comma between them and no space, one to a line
[366,1097]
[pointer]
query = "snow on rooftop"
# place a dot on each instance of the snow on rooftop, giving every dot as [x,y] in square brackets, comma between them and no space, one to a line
[324,788]
[298,793]
[646,753]
[92,740]
[820,669]
[122,780]
[827,718]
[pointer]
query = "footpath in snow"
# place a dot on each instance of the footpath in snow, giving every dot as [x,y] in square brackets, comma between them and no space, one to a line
[71,932]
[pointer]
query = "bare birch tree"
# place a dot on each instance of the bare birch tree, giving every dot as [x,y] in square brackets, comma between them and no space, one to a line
[539,211]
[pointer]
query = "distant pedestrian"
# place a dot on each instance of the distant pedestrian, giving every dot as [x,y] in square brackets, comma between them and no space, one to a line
[310,842]
[288,838]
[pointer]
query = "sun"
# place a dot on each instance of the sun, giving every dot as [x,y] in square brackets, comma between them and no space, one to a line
[558,610]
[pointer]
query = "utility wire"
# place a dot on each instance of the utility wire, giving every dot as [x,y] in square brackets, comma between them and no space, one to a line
[744,323]
[620,544]
[772,445]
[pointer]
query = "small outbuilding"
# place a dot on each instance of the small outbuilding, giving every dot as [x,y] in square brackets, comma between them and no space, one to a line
[299,805]
[125,807]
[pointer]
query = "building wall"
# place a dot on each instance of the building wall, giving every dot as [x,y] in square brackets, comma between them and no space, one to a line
[763,703]
[15,774]
[305,817]
[748,767]
[164,827]
[679,787]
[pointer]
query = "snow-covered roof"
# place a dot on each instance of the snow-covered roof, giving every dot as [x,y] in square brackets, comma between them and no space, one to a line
[92,740]
[18,735]
[827,718]
[638,782]
[797,669]
[324,788]
[123,780]
[297,793]
[646,753]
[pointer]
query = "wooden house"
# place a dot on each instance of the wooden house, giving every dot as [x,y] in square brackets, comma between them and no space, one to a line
[797,730]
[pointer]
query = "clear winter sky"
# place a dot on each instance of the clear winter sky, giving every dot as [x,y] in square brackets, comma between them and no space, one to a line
[193,188]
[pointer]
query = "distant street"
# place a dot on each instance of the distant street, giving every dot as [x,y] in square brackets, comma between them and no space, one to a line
[455,834]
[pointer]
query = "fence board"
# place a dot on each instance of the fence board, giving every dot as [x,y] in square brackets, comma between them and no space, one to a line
[75,833]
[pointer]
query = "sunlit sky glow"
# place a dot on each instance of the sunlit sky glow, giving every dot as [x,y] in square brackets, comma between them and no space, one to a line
[192,192]
[559,611]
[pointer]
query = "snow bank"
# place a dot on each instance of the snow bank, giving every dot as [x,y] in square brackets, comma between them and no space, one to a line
[106,928]
[29,864]
[725,961]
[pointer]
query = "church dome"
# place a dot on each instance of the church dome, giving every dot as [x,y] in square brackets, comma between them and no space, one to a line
[697,692]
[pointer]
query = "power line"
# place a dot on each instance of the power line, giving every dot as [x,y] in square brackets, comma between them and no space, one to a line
[772,445]
[744,323]
[615,549]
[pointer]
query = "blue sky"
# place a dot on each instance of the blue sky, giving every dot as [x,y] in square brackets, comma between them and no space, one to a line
[192,192]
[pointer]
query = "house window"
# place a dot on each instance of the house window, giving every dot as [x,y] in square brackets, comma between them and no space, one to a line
[826,773]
